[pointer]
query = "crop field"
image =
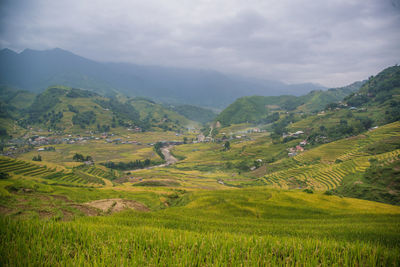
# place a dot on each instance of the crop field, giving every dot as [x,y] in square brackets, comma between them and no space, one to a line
[324,167]
[204,210]
[98,150]
[19,167]
[235,227]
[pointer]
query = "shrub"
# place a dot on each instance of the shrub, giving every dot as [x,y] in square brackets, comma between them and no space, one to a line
[308,191]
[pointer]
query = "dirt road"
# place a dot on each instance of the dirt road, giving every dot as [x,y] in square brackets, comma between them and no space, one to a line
[169,159]
[168,156]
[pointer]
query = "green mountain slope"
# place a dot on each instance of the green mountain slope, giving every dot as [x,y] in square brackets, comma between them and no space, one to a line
[381,93]
[368,162]
[259,109]
[69,109]
[195,113]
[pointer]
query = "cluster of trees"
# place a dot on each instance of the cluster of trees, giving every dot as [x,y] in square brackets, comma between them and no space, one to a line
[4,175]
[80,158]
[103,128]
[3,132]
[37,158]
[243,165]
[73,109]
[53,117]
[75,93]
[123,111]
[83,119]
[132,165]
[227,145]
[44,102]
[157,149]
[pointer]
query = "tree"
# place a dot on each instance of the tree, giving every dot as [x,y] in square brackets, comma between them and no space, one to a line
[37,158]
[185,140]
[78,157]
[227,145]
[4,175]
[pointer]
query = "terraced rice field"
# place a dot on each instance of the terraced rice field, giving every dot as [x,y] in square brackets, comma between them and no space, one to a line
[349,148]
[323,176]
[99,171]
[19,167]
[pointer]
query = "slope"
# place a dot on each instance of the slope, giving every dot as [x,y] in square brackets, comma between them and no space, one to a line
[34,70]
[259,109]
[74,110]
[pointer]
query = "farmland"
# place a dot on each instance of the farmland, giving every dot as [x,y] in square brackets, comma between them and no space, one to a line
[238,194]
[201,210]
[251,227]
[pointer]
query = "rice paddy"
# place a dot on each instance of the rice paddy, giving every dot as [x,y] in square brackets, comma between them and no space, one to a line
[202,211]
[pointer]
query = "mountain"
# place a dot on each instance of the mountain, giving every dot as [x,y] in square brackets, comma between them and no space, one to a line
[194,113]
[261,108]
[75,110]
[376,103]
[33,70]
[381,90]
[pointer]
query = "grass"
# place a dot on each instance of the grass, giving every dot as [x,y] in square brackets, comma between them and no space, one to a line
[234,227]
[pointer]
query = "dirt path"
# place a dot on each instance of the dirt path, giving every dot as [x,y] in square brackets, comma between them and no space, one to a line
[168,156]
[117,204]
[169,159]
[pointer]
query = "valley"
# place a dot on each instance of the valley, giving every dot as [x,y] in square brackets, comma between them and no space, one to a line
[281,180]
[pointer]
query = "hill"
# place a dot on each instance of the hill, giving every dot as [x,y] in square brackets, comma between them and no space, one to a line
[260,109]
[381,93]
[33,70]
[239,227]
[74,110]
[194,113]
[376,103]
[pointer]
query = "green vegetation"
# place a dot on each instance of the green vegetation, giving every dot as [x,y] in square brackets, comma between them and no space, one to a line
[26,169]
[84,118]
[194,113]
[157,149]
[248,227]
[132,165]
[37,158]
[68,109]
[271,193]
[81,158]
[380,182]
[266,109]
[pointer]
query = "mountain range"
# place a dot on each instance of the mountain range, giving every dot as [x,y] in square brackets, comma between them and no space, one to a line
[37,70]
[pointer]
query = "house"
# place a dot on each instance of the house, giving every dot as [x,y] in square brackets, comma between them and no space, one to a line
[201,138]
[299,132]
[299,148]
[303,143]
[292,154]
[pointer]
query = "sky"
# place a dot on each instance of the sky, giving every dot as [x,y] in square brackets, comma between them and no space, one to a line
[330,42]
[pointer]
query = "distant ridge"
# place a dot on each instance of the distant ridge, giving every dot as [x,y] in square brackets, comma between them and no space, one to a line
[36,70]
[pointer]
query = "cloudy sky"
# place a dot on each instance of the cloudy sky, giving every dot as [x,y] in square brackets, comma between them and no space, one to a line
[330,42]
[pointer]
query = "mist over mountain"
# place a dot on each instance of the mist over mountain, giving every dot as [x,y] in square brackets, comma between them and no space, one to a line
[36,70]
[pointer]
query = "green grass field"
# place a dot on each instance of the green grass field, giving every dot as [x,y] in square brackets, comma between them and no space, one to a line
[249,227]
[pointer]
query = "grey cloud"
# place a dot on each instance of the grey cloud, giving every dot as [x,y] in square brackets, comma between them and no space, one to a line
[331,42]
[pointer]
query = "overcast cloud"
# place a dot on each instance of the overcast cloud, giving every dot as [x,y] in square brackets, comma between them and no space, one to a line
[331,42]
